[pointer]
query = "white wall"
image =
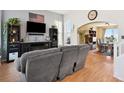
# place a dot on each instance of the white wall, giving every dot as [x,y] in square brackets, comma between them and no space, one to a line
[79,17]
[50,18]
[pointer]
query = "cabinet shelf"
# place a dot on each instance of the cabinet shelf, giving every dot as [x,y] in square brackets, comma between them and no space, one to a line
[53,33]
[11,43]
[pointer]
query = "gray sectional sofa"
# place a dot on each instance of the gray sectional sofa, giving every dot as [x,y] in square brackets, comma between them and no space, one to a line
[52,64]
[69,58]
[82,54]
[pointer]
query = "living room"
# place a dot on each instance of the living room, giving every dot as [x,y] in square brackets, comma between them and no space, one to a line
[67,23]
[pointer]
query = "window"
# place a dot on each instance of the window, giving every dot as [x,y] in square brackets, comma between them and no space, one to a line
[111,35]
[69,29]
[60,32]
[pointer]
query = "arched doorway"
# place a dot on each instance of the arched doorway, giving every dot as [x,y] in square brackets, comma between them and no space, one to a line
[90,33]
[98,28]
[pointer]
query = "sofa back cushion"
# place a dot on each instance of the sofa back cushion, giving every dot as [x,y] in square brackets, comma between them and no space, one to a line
[82,54]
[43,68]
[69,57]
[35,53]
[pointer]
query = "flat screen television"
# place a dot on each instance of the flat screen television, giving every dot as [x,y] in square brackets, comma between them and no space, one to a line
[34,27]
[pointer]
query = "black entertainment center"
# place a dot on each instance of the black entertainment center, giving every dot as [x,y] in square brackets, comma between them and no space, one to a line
[30,46]
[13,47]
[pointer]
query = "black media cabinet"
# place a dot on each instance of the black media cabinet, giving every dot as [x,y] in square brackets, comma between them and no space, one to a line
[15,50]
[30,46]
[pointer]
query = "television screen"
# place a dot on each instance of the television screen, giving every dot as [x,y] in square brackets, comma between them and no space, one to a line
[34,27]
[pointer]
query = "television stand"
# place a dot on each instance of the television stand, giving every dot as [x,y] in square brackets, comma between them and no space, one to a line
[30,46]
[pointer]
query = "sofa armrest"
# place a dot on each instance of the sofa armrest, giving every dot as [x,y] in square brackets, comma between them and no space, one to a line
[18,64]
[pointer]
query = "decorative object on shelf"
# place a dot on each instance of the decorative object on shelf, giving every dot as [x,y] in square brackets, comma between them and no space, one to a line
[68,40]
[22,40]
[14,33]
[13,21]
[53,26]
[92,15]
[122,37]
[47,38]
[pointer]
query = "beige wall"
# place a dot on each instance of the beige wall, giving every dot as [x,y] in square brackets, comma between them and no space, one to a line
[100,33]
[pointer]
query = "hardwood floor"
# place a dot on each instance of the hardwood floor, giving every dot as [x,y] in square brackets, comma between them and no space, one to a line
[98,68]
[8,73]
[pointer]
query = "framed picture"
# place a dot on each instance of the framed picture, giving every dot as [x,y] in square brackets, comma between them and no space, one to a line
[36,18]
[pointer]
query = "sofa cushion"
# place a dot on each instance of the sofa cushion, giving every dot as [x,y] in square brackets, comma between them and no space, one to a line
[35,53]
[18,64]
[69,58]
[43,68]
[82,54]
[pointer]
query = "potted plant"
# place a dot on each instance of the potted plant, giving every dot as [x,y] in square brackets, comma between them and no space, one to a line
[13,21]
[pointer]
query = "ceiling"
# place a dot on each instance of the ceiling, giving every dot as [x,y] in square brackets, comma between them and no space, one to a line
[60,11]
